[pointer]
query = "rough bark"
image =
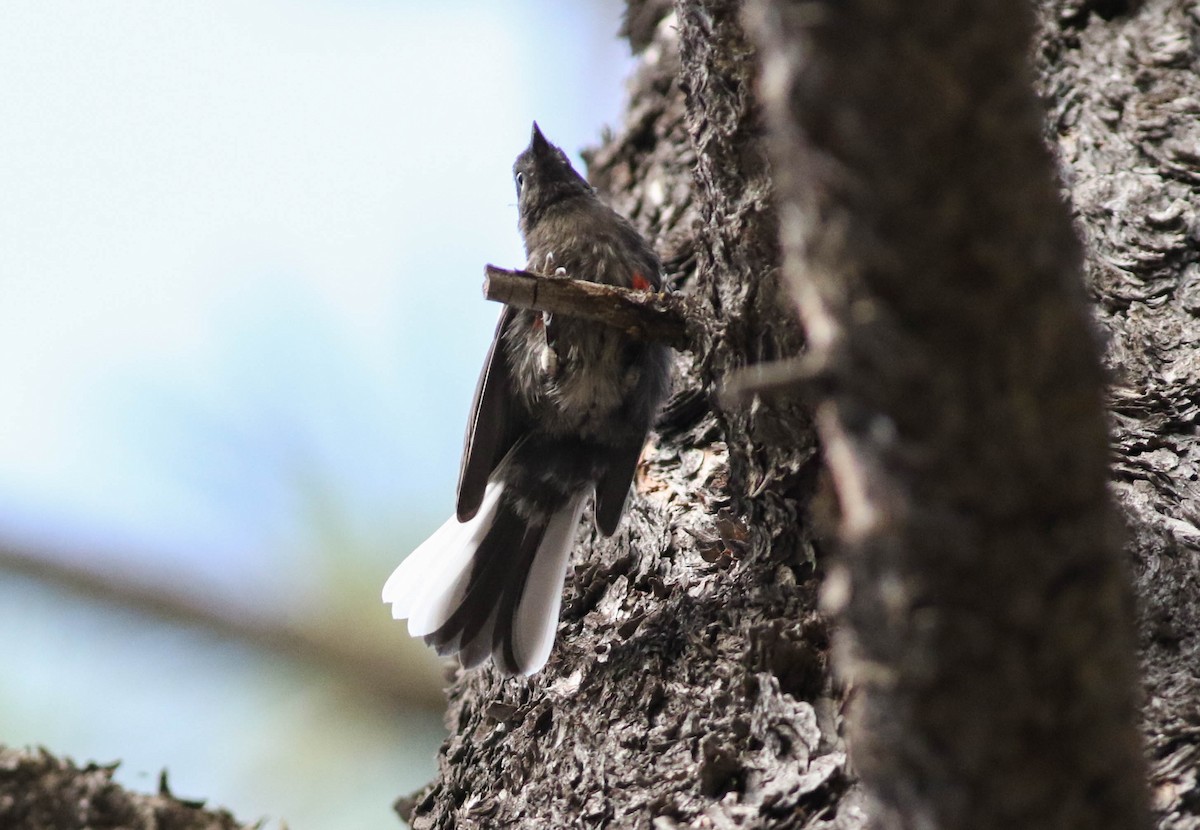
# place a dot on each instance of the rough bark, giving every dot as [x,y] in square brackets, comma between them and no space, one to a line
[1120,85]
[41,792]
[986,621]
[690,685]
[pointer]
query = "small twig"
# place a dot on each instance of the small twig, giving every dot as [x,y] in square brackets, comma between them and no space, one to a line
[673,319]
[803,375]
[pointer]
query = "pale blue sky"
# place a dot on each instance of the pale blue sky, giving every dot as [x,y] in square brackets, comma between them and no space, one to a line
[244,239]
[241,249]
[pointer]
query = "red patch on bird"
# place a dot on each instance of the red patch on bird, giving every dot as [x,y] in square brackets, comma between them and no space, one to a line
[538,323]
[640,283]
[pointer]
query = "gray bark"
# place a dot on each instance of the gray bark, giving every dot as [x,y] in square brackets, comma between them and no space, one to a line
[691,684]
[41,792]
[1119,81]
[985,617]
[688,682]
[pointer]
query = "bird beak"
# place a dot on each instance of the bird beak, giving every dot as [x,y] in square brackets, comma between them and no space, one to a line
[538,142]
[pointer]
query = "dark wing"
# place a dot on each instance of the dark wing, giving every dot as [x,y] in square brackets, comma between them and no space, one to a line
[491,430]
[613,487]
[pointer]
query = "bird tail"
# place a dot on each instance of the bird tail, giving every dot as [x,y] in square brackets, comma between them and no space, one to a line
[491,585]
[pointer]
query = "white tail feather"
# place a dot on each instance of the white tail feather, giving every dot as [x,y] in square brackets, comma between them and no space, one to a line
[425,587]
[537,614]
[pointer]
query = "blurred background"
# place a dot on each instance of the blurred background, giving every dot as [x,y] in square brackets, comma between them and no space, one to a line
[241,250]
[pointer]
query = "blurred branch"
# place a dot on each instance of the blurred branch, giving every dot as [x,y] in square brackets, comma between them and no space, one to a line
[674,319]
[355,659]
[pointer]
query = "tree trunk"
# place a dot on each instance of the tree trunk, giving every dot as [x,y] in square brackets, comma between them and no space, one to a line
[986,621]
[983,615]
[1118,80]
[41,792]
[985,612]
[689,678]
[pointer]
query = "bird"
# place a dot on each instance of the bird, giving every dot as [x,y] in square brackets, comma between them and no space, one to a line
[561,413]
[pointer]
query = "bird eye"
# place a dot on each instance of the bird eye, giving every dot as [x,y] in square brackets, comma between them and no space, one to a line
[520,181]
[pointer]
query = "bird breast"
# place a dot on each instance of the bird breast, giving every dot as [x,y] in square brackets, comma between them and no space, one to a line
[574,381]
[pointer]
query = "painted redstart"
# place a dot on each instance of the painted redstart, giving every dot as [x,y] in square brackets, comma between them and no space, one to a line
[561,411]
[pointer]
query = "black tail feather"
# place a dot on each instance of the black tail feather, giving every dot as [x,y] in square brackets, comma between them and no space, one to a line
[502,640]
[483,621]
